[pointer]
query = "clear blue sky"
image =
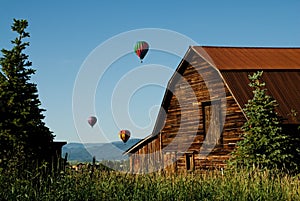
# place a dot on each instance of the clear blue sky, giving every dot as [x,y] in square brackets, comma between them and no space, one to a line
[64,33]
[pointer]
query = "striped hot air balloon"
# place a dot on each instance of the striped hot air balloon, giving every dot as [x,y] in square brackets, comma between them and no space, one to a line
[124,135]
[141,48]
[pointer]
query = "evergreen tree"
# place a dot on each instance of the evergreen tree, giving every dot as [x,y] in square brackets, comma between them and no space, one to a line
[264,142]
[24,138]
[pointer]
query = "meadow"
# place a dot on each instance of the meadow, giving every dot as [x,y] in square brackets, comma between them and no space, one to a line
[110,185]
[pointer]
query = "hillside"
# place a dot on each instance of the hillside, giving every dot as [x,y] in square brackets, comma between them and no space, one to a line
[102,151]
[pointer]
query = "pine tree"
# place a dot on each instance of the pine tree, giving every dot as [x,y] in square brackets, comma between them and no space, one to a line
[264,143]
[24,138]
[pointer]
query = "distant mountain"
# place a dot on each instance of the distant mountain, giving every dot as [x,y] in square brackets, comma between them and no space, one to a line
[102,151]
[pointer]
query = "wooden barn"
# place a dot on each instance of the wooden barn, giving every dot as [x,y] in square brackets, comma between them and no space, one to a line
[201,114]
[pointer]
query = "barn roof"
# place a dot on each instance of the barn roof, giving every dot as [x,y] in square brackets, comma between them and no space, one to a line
[252,58]
[281,68]
[283,86]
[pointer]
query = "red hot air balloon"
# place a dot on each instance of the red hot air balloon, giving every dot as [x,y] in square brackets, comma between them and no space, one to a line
[92,120]
[141,48]
[124,135]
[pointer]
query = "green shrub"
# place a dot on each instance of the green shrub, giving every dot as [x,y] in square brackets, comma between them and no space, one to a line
[265,143]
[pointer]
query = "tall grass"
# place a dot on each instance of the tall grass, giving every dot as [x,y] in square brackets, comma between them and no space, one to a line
[104,185]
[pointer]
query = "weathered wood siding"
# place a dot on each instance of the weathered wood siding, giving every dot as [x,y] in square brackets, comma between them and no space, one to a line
[148,158]
[198,74]
[179,144]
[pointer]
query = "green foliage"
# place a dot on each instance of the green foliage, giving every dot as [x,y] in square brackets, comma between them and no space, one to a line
[232,185]
[24,138]
[264,142]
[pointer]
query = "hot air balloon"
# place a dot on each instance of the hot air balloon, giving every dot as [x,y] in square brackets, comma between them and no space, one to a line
[92,120]
[124,135]
[141,49]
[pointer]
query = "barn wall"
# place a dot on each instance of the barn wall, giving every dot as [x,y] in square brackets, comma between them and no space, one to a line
[178,147]
[184,133]
[148,158]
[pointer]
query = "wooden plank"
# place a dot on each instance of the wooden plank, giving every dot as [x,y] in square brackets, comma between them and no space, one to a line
[181,124]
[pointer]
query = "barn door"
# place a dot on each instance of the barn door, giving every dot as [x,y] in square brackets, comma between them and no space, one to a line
[211,122]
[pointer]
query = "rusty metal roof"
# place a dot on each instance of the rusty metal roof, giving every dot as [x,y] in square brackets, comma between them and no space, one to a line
[283,86]
[242,58]
[281,68]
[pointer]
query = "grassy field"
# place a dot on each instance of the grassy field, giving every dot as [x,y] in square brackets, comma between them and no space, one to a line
[104,185]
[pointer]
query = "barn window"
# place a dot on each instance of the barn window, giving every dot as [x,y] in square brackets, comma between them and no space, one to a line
[211,111]
[189,161]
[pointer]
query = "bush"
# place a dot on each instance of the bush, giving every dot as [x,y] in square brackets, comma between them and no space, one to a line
[264,144]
